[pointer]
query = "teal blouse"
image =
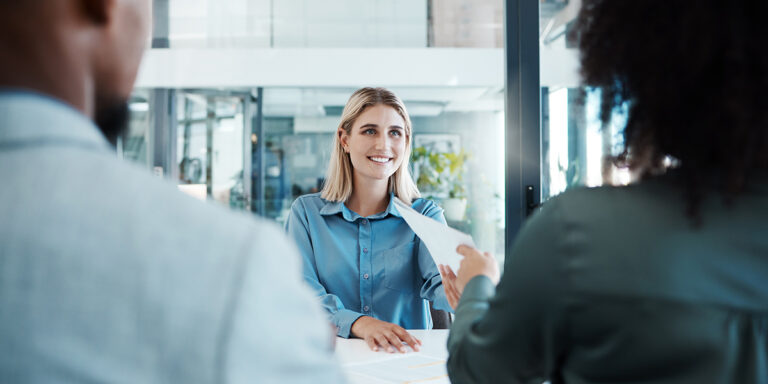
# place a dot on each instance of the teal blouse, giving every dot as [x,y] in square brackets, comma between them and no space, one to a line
[615,285]
[367,266]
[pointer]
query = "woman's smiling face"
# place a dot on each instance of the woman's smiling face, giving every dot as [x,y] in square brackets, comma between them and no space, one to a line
[376,143]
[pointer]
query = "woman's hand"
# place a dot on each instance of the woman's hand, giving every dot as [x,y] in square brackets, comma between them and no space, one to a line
[449,285]
[383,335]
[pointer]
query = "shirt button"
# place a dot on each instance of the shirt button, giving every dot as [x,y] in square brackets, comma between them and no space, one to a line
[365,250]
[366,308]
[365,276]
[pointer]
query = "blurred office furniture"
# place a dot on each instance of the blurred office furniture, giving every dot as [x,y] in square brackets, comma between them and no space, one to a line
[440,319]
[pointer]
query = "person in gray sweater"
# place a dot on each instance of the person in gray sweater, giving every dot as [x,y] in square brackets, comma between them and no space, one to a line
[108,274]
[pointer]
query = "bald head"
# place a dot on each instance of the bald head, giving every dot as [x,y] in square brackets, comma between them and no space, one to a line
[83,52]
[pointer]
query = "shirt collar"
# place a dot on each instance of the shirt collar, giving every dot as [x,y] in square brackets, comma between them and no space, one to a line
[336,207]
[391,208]
[27,117]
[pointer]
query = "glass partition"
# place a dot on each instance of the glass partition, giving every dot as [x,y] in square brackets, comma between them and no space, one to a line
[458,156]
[210,149]
[258,147]
[576,149]
[457,161]
[134,143]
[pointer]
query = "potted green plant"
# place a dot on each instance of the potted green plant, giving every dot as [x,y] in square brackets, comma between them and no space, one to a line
[440,176]
[455,205]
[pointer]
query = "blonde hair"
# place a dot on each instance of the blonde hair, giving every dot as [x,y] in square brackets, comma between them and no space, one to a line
[338,182]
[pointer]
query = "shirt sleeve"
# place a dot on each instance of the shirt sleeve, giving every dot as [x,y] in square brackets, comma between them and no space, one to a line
[432,288]
[297,227]
[278,333]
[513,332]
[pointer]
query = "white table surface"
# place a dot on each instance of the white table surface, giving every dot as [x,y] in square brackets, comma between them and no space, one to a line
[352,353]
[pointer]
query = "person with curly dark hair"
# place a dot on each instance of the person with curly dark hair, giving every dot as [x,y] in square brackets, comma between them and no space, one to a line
[662,281]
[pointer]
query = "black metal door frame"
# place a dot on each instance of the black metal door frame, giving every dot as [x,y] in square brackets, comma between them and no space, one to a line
[522,114]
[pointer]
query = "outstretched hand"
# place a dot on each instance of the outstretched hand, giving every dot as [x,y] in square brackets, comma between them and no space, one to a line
[449,285]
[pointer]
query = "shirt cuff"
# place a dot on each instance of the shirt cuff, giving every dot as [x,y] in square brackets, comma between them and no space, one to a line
[343,320]
[441,301]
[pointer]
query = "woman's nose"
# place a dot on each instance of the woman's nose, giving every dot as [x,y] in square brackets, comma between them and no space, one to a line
[382,142]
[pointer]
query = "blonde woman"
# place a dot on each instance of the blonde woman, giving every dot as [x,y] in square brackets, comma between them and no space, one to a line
[371,272]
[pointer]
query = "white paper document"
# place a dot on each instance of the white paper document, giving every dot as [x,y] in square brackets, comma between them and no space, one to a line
[440,239]
[407,368]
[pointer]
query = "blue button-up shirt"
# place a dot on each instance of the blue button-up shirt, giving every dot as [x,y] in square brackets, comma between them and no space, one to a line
[367,266]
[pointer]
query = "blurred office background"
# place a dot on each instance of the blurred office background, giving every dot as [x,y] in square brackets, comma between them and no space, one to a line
[238,101]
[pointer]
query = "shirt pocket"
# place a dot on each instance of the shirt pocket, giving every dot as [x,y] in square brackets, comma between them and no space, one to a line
[399,268]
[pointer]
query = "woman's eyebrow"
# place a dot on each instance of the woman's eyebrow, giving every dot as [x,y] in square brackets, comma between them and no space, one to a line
[373,125]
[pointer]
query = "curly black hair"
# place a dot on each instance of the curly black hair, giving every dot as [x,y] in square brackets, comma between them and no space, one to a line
[691,75]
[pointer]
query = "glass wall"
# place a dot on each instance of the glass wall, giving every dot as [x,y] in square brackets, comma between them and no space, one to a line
[576,149]
[212,133]
[134,144]
[458,156]
[458,149]
[261,155]
[260,143]
[259,146]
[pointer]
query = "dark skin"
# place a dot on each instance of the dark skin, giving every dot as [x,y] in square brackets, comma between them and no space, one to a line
[82,52]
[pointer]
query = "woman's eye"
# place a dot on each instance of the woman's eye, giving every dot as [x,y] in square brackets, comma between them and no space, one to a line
[395,133]
[369,132]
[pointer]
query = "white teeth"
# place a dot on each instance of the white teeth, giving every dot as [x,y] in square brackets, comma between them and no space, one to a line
[380,159]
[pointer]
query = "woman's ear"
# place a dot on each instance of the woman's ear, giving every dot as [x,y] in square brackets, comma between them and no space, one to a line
[343,139]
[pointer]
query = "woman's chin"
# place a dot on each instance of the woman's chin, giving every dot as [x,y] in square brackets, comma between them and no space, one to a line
[378,176]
